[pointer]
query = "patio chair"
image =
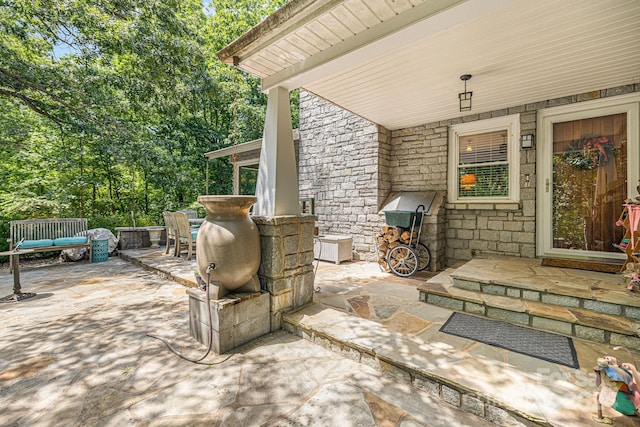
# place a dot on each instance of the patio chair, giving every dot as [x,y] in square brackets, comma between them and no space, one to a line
[171,228]
[191,214]
[186,236]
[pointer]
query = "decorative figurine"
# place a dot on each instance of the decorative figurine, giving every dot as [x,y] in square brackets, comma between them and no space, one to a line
[618,387]
[634,284]
[632,273]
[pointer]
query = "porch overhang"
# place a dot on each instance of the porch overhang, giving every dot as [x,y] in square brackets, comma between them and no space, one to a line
[398,63]
[244,147]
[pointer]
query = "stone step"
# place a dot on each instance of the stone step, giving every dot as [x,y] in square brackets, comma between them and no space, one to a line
[558,296]
[574,321]
[420,364]
[527,279]
[597,292]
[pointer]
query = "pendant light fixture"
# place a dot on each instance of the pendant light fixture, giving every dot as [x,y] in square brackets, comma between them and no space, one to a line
[465,97]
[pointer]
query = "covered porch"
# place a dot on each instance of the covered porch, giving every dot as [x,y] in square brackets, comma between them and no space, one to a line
[531,108]
[544,76]
[397,67]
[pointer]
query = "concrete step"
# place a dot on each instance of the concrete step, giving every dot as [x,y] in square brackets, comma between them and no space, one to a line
[596,321]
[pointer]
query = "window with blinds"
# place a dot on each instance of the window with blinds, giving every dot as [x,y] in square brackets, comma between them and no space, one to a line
[484,161]
[483,165]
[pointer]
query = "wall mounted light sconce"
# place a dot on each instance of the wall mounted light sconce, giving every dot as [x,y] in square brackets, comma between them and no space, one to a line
[526,141]
[465,97]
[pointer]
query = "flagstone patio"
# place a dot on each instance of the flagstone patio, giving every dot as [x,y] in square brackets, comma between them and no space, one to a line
[396,333]
[77,354]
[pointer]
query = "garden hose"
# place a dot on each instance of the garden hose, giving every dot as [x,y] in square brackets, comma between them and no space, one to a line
[199,361]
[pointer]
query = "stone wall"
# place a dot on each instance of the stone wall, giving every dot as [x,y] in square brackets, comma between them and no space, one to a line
[385,164]
[420,162]
[350,165]
[419,158]
[342,160]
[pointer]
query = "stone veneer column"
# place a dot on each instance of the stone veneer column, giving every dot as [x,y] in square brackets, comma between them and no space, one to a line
[286,267]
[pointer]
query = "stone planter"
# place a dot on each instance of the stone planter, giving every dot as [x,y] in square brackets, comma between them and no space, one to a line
[229,239]
[132,237]
[155,233]
[140,237]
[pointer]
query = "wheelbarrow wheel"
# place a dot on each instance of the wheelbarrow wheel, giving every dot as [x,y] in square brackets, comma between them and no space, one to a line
[402,260]
[424,256]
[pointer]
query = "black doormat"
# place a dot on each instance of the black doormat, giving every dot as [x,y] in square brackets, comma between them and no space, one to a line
[542,345]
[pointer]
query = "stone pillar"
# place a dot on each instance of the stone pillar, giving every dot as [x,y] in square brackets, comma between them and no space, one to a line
[286,267]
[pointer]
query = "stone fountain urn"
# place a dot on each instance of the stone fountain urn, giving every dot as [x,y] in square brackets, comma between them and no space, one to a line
[154,235]
[230,239]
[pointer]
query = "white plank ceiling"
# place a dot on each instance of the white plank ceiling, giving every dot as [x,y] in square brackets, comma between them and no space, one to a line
[398,62]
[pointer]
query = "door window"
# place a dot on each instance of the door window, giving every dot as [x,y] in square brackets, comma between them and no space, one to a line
[589,182]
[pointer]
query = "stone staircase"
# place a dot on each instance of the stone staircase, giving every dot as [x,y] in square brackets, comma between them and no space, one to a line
[582,304]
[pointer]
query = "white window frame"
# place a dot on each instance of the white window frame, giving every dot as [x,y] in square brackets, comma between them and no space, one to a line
[510,124]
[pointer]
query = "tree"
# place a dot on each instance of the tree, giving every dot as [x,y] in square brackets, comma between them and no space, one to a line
[107,106]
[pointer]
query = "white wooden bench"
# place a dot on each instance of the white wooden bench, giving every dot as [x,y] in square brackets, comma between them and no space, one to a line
[50,234]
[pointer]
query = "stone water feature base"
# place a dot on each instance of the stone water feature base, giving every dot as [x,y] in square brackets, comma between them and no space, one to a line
[236,319]
[286,266]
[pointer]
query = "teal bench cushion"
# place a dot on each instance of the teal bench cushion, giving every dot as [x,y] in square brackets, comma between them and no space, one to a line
[42,243]
[64,241]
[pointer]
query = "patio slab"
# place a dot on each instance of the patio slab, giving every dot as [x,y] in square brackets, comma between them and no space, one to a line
[459,370]
[412,371]
[78,355]
[375,318]
[360,312]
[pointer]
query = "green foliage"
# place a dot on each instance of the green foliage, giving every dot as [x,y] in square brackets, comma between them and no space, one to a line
[107,107]
[491,181]
[248,180]
[123,220]
[232,18]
